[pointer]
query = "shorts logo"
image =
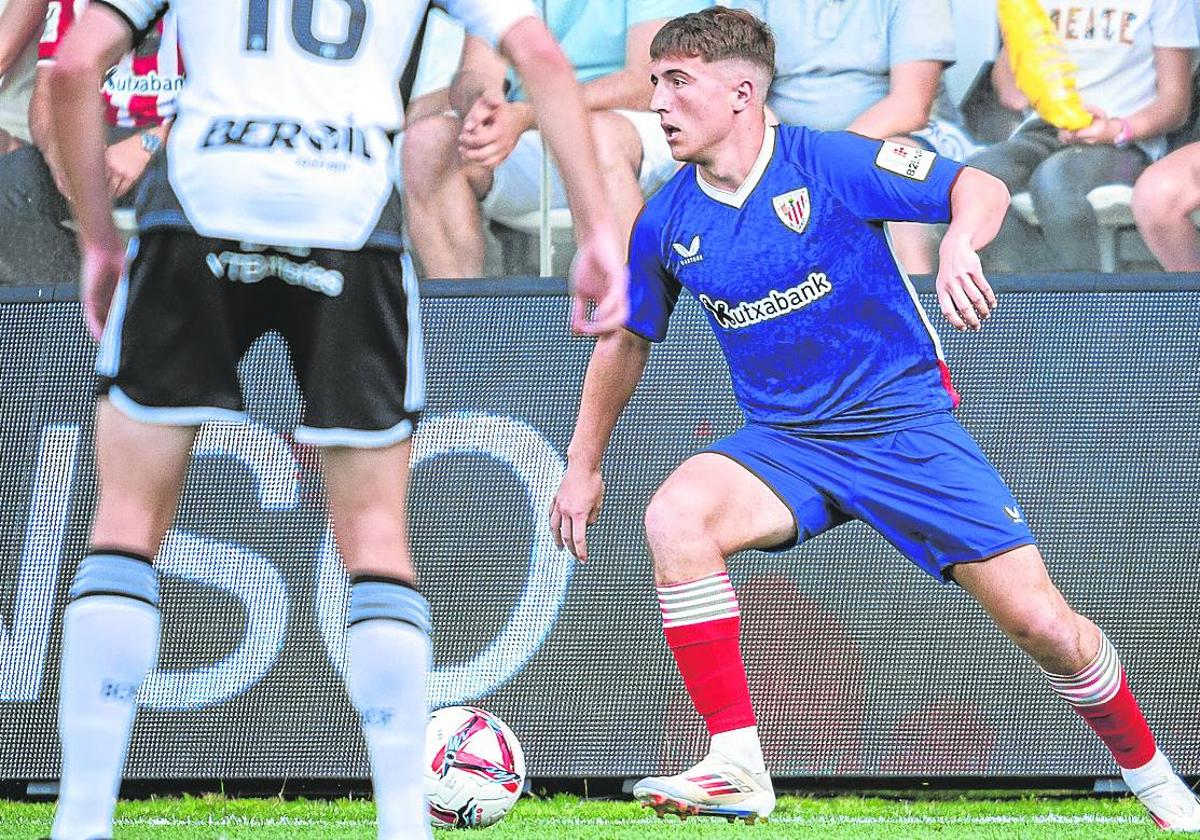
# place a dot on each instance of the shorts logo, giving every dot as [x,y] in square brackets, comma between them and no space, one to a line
[909,161]
[793,209]
[1014,514]
[774,305]
[690,254]
[254,268]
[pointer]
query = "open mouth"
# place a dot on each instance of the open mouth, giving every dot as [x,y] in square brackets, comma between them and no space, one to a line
[671,131]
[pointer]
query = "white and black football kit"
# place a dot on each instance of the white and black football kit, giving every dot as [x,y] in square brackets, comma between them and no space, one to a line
[275,208]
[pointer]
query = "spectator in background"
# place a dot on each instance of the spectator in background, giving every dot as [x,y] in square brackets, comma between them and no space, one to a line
[1134,75]
[1164,199]
[873,67]
[35,244]
[19,25]
[484,160]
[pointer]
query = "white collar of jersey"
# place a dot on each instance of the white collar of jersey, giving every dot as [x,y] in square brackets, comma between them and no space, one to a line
[738,197]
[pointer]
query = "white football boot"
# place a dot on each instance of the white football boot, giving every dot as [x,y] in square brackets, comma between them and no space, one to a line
[716,787]
[1171,803]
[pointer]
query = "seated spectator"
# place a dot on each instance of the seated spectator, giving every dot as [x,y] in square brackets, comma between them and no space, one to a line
[1164,199]
[20,24]
[873,67]
[36,245]
[1134,76]
[484,160]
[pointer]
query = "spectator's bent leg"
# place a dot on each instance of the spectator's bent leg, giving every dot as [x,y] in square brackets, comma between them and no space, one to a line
[1018,246]
[619,153]
[1164,198]
[442,196]
[1059,188]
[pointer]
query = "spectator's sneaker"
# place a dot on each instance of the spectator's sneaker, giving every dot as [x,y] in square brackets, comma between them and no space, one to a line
[716,787]
[1170,802]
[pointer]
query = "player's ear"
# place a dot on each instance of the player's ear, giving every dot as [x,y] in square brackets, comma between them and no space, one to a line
[743,95]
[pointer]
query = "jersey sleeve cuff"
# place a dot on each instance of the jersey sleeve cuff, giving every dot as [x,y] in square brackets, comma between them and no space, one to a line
[139,15]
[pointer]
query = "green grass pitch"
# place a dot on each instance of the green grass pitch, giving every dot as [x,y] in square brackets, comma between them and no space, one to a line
[977,816]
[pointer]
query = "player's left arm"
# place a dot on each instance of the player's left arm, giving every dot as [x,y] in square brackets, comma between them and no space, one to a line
[978,202]
[95,43]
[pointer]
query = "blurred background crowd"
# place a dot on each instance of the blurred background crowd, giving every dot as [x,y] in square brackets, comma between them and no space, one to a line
[1121,194]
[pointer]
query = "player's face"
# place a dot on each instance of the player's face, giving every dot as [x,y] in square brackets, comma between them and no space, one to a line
[695,104]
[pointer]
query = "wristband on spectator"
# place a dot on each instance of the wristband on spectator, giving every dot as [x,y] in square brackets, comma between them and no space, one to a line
[1125,135]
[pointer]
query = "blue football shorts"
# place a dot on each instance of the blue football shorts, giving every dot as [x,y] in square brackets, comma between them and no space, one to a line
[929,490]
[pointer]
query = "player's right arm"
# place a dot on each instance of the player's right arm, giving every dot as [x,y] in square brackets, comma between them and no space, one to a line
[598,271]
[94,44]
[613,373]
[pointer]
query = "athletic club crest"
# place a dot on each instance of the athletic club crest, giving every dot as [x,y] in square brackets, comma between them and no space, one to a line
[793,209]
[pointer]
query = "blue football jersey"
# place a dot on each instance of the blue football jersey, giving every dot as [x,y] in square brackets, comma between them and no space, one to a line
[820,326]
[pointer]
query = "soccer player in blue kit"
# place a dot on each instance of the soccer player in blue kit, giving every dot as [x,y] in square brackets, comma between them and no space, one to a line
[779,233]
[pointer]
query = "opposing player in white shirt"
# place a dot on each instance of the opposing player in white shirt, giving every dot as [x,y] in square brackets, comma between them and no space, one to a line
[273,209]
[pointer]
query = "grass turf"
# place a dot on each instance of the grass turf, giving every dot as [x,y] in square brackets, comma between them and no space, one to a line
[974,816]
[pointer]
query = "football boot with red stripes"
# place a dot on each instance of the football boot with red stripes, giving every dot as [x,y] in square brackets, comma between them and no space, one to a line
[716,787]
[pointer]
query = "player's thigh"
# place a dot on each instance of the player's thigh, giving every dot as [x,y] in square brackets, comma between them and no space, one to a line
[711,500]
[141,469]
[1012,586]
[368,501]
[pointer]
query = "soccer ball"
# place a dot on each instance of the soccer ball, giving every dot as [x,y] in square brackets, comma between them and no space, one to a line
[474,768]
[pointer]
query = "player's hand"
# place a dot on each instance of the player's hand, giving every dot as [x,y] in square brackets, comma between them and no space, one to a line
[599,277]
[576,506]
[126,162]
[103,263]
[1101,132]
[965,296]
[490,130]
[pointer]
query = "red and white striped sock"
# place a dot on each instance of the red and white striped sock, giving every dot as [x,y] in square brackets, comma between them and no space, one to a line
[703,624]
[1100,695]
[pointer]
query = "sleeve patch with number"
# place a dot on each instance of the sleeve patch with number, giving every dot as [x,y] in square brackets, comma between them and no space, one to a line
[904,160]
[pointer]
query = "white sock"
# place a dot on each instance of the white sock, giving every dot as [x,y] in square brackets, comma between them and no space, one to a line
[1139,778]
[386,663]
[741,746]
[110,643]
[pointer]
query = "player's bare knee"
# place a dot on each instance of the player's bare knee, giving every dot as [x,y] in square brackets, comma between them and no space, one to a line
[676,532]
[1050,632]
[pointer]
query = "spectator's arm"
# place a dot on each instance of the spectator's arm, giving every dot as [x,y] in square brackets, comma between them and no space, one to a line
[1004,82]
[913,88]
[1169,109]
[480,70]
[19,22]
[630,86]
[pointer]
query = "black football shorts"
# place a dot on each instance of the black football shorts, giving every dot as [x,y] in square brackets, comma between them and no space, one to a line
[191,306]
